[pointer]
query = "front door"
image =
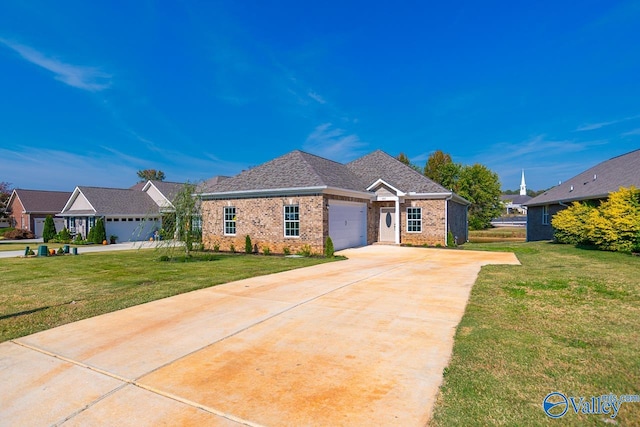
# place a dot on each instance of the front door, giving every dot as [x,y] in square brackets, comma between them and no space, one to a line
[387,224]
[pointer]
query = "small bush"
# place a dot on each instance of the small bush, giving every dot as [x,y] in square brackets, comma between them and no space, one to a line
[78,240]
[266,250]
[286,251]
[60,251]
[328,247]
[451,240]
[305,251]
[216,247]
[248,246]
[232,248]
[438,245]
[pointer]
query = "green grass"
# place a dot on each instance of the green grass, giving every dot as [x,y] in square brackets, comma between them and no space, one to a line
[567,320]
[6,246]
[41,293]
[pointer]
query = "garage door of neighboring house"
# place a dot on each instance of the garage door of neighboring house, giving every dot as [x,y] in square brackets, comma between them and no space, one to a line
[347,224]
[39,225]
[130,229]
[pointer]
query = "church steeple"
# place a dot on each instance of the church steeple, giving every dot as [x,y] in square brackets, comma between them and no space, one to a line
[523,185]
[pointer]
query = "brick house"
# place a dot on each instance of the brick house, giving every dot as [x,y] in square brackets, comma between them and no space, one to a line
[28,209]
[594,185]
[299,199]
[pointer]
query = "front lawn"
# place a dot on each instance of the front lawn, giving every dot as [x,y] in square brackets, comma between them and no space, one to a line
[41,293]
[567,320]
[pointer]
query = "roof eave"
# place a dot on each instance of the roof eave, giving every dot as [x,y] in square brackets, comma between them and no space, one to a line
[275,192]
[437,196]
[568,200]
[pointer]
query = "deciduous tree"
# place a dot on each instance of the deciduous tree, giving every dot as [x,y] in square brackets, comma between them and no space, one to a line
[481,187]
[150,175]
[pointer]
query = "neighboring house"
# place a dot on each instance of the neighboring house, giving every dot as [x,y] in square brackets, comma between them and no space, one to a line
[594,184]
[28,209]
[131,214]
[299,199]
[515,203]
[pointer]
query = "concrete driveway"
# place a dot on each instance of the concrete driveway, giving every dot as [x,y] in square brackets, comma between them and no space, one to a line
[357,342]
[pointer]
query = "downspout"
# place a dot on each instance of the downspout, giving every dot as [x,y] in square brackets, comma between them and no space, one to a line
[397,230]
[446,217]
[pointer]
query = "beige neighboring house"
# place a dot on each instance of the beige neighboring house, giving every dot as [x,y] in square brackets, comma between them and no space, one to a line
[27,209]
[299,199]
[131,214]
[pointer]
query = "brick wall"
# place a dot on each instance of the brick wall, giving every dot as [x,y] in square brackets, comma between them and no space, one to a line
[18,219]
[433,222]
[263,220]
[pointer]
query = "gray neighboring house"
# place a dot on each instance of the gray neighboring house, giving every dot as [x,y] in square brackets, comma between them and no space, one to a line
[131,214]
[297,200]
[594,184]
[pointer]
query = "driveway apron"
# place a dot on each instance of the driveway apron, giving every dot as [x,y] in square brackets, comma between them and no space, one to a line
[356,342]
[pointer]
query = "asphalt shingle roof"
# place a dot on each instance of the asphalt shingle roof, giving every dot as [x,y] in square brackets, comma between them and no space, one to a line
[296,169]
[596,182]
[516,199]
[119,201]
[38,201]
[169,189]
[380,165]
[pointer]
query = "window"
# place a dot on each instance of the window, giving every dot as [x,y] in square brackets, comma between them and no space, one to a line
[230,220]
[196,223]
[292,221]
[92,221]
[414,220]
[545,215]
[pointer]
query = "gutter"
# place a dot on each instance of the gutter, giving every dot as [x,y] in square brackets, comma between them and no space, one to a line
[290,191]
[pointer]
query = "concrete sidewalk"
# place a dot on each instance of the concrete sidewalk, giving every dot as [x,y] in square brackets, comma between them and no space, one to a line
[356,342]
[127,246]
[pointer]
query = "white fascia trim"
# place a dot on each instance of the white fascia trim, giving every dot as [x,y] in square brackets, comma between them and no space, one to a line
[146,188]
[385,183]
[275,192]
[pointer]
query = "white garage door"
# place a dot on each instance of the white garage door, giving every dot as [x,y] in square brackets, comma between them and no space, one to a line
[347,224]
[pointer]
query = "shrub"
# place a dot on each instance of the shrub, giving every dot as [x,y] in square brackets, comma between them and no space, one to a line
[216,247]
[328,247]
[64,236]
[451,240]
[232,248]
[49,231]
[266,250]
[248,247]
[97,234]
[613,226]
[60,251]
[305,251]
[19,234]
[286,251]
[78,239]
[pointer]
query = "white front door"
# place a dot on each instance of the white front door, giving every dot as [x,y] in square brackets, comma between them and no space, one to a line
[387,224]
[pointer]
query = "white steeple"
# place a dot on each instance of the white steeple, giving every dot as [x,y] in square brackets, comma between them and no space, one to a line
[523,185]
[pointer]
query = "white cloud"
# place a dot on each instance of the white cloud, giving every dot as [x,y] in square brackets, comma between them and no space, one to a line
[316,97]
[632,132]
[87,78]
[334,143]
[594,126]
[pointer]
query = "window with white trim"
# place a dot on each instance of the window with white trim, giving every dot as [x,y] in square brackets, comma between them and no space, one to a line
[230,220]
[292,221]
[545,215]
[414,220]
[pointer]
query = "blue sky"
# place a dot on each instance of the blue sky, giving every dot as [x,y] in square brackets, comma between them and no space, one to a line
[92,92]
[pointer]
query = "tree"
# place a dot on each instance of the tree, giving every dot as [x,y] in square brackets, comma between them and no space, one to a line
[49,230]
[481,186]
[150,175]
[436,164]
[187,210]
[404,159]
[5,193]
